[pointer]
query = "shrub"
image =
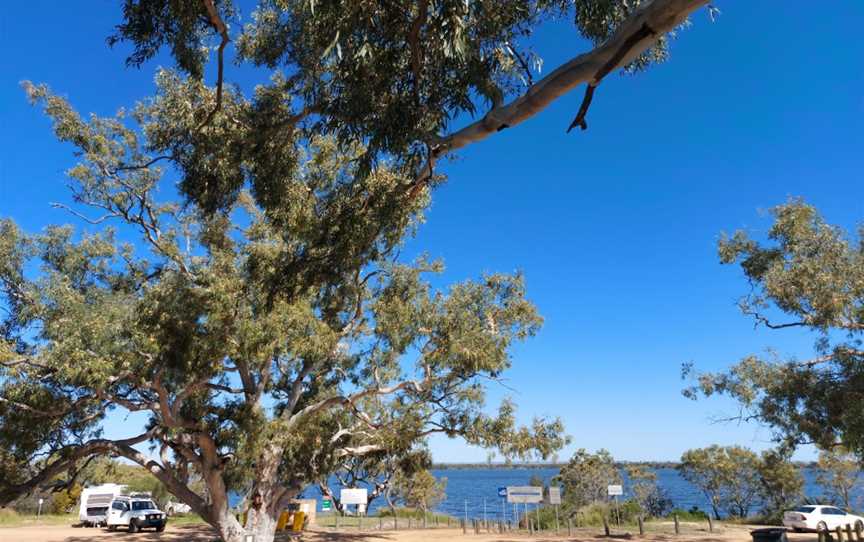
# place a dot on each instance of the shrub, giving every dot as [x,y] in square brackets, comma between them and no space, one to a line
[8,516]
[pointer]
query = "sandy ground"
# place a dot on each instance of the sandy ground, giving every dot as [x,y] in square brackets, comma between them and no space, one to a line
[197,533]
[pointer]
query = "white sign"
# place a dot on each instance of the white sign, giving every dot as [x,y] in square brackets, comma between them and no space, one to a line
[353,496]
[524,494]
[554,496]
[615,490]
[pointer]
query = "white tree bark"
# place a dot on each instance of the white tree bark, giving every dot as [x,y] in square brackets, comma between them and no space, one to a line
[660,16]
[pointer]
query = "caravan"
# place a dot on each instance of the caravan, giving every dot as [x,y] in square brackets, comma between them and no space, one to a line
[95,502]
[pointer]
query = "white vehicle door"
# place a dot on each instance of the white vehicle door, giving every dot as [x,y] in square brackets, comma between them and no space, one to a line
[834,517]
[115,514]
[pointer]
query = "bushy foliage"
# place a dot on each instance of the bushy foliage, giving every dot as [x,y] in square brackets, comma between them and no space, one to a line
[806,274]
[586,477]
[727,476]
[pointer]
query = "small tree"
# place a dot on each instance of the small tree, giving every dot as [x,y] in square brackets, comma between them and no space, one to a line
[586,478]
[420,490]
[651,499]
[727,476]
[839,472]
[781,482]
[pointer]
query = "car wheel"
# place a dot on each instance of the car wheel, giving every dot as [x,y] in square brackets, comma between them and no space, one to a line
[112,527]
[822,527]
[133,527]
[160,528]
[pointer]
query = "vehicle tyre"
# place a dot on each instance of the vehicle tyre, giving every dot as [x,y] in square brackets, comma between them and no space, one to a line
[822,527]
[170,511]
[112,527]
[133,526]
[160,528]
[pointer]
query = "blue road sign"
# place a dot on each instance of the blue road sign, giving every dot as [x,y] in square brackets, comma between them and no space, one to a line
[502,492]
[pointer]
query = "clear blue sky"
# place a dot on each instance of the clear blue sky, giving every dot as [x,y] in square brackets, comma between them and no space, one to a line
[615,228]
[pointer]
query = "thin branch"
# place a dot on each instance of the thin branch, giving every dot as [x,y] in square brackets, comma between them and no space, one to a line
[217,23]
[144,165]
[644,31]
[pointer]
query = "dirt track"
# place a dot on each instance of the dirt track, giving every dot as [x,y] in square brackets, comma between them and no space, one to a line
[197,533]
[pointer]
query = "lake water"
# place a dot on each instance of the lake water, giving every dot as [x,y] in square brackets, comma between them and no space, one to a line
[474,488]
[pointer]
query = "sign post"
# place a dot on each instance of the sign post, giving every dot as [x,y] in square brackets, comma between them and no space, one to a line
[502,492]
[555,500]
[357,496]
[39,513]
[614,491]
[524,495]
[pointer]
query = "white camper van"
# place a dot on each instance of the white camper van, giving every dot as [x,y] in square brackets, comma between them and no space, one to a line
[95,502]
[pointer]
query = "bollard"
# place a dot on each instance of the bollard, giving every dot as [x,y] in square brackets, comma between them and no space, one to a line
[710,524]
[569,527]
[839,531]
[464,527]
[360,522]
[409,523]
[337,521]
[677,525]
[641,526]
[606,526]
[395,522]
[380,523]
[424,520]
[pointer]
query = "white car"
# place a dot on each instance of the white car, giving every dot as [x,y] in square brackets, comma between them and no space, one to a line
[134,514]
[820,517]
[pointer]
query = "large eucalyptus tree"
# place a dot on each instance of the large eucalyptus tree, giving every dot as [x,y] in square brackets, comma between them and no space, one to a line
[262,318]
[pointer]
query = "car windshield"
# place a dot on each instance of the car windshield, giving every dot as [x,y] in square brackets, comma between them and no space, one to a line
[143,505]
[804,509]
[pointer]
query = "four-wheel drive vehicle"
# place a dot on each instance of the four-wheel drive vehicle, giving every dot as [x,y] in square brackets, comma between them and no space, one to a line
[135,513]
[819,517]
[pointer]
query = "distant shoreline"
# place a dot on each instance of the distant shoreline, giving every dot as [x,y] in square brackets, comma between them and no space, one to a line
[620,464]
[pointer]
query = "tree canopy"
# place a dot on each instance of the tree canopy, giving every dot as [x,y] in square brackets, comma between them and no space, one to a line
[254,379]
[405,78]
[808,275]
[263,317]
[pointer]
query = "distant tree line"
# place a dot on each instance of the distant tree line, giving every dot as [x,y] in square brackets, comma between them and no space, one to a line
[736,482]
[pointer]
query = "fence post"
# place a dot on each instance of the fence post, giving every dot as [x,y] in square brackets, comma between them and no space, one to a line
[380,523]
[677,525]
[849,533]
[409,523]
[858,533]
[395,522]
[606,526]
[641,526]
[710,524]
[569,527]
[337,521]
[839,534]
[360,522]
[464,526]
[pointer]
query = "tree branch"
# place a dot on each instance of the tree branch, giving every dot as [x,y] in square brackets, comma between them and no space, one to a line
[217,23]
[661,16]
